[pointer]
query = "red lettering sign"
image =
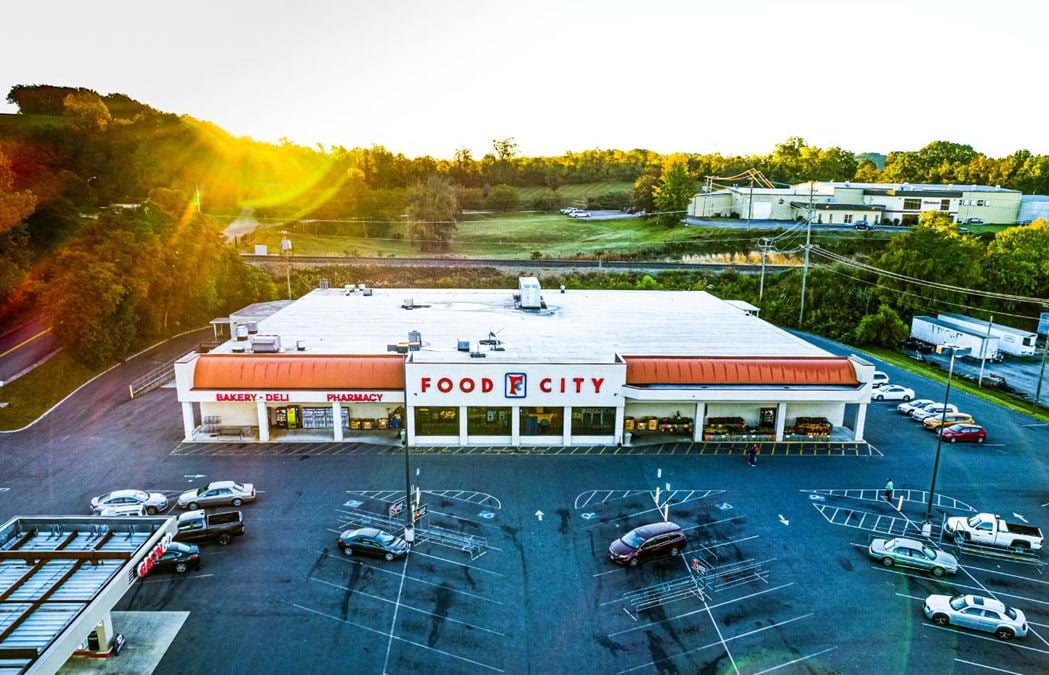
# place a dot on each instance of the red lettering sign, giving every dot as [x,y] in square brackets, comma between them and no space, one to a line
[544,385]
[444,385]
[487,385]
[355,397]
[598,381]
[466,385]
[153,557]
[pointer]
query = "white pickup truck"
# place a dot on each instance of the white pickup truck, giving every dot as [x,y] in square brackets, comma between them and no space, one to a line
[990,530]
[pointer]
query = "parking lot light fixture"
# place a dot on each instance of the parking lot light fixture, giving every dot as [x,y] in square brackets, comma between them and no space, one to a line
[954,351]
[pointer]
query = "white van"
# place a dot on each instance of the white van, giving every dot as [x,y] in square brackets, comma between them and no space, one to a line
[880,378]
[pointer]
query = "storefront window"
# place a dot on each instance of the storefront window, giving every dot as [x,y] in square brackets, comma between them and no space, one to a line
[593,421]
[488,421]
[542,421]
[437,421]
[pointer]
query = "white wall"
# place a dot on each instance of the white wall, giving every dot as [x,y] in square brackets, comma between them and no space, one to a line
[749,411]
[232,414]
[687,409]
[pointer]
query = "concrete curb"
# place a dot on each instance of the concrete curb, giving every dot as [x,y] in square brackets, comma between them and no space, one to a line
[4,383]
[114,366]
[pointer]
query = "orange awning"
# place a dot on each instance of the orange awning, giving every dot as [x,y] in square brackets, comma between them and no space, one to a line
[643,370]
[281,371]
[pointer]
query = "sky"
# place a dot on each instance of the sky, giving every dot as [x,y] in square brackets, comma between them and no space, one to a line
[426,77]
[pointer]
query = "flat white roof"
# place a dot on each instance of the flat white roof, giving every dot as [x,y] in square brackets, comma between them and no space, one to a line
[577,326]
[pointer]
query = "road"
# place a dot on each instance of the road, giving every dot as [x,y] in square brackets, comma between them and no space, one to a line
[24,347]
[560,265]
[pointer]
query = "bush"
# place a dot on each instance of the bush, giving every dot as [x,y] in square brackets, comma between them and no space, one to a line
[503,198]
[609,201]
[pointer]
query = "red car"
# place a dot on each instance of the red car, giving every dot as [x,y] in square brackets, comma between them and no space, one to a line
[647,542]
[973,433]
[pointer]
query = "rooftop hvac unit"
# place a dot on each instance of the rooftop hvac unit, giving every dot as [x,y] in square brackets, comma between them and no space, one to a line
[265,344]
[300,345]
[253,327]
[463,346]
[242,332]
[361,287]
[367,291]
[415,336]
[530,293]
[408,303]
[238,349]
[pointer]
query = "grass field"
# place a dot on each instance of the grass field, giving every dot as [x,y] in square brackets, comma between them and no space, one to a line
[575,195]
[506,236]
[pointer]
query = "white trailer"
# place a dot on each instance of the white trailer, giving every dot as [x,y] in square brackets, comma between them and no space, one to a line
[936,332]
[1012,341]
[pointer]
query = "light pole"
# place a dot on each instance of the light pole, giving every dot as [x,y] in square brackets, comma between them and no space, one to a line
[409,510]
[1041,371]
[285,249]
[955,350]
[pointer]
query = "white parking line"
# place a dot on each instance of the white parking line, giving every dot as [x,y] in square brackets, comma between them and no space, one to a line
[714,644]
[350,561]
[982,637]
[456,562]
[980,665]
[1004,574]
[398,638]
[956,585]
[798,660]
[698,611]
[721,637]
[406,606]
[396,607]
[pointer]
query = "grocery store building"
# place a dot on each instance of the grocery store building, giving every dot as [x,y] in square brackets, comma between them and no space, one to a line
[535,367]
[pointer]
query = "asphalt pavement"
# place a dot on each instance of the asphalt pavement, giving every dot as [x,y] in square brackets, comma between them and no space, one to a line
[511,574]
[24,347]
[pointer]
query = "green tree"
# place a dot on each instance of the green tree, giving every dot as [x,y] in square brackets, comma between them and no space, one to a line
[431,208]
[641,195]
[884,328]
[676,186]
[503,198]
[1018,263]
[88,112]
[14,205]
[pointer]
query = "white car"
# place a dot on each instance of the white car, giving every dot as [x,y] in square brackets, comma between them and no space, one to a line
[978,613]
[920,414]
[122,510]
[880,379]
[910,406]
[568,210]
[892,392]
[153,502]
[580,214]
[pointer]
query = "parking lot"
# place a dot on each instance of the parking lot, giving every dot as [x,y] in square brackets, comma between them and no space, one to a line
[511,574]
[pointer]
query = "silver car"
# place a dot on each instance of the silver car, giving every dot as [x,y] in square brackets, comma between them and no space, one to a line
[920,414]
[218,493]
[153,502]
[907,407]
[978,613]
[913,553]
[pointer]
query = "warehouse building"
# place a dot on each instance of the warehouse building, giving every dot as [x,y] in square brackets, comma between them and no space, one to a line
[874,203]
[495,368]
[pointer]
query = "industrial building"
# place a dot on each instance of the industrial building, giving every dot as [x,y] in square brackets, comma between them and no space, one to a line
[498,368]
[874,203]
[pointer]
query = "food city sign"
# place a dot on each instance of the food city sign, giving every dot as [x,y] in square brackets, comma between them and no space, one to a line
[537,384]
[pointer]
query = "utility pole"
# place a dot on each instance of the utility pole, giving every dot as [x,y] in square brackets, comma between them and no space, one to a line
[750,202]
[805,271]
[764,244]
[285,249]
[983,353]
[1041,371]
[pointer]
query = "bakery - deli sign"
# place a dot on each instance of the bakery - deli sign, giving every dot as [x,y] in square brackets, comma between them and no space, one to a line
[515,383]
[310,396]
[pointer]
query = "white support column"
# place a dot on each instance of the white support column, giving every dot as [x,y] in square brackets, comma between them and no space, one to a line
[861,421]
[264,422]
[336,415]
[566,431]
[464,434]
[620,415]
[409,424]
[781,420]
[697,423]
[515,426]
[187,420]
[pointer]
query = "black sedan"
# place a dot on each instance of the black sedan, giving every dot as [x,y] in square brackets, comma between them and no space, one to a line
[179,558]
[373,542]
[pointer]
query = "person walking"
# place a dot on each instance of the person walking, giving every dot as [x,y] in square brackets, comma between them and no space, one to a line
[754,452]
[888,491]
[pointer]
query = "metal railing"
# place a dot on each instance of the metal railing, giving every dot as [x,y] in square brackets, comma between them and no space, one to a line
[157,377]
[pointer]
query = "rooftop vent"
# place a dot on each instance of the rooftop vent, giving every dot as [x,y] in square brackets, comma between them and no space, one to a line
[367,291]
[242,332]
[324,284]
[530,292]
[463,346]
[253,327]
[265,344]
[238,349]
[300,345]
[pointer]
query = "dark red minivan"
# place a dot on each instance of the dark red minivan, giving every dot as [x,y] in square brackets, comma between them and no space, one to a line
[647,542]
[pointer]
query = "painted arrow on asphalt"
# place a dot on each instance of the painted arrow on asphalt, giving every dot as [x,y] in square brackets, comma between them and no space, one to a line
[783,520]
[1019,517]
[539,515]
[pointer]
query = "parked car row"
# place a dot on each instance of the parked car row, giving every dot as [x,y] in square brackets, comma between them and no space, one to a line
[573,212]
[195,525]
[945,420]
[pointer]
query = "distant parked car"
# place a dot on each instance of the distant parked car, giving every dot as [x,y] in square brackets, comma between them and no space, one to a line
[374,542]
[892,392]
[880,379]
[908,407]
[972,433]
[974,221]
[568,210]
[647,543]
[579,214]
[862,225]
[978,613]
[153,502]
[920,414]
[219,493]
[934,422]
[912,553]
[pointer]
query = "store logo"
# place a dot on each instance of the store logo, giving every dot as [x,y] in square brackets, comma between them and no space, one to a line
[516,385]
